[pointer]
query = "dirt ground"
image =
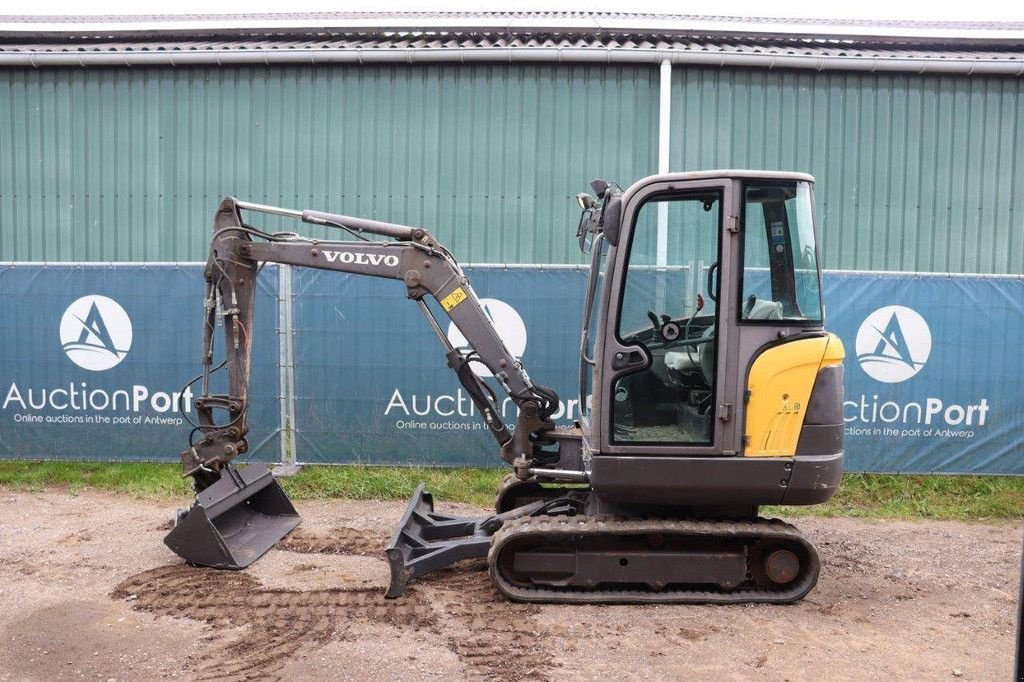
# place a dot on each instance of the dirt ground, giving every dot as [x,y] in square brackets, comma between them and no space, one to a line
[88,591]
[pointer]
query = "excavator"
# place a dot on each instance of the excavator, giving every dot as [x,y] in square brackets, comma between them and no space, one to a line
[708,385]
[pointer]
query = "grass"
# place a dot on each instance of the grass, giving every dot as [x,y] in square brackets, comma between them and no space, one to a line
[164,481]
[993,498]
[961,498]
[474,486]
[134,478]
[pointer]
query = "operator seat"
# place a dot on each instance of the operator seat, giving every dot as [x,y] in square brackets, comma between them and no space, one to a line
[682,360]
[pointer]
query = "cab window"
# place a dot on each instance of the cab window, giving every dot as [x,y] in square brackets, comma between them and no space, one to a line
[780,279]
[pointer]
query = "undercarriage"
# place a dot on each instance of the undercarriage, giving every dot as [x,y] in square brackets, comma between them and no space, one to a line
[551,543]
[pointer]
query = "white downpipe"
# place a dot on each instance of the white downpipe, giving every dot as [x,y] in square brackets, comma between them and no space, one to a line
[664,134]
[664,137]
[664,115]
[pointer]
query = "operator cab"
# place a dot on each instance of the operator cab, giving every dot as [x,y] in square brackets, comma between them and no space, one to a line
[701,265]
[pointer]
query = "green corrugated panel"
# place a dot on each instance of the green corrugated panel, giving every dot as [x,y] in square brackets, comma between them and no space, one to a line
[915,173]
[129,164]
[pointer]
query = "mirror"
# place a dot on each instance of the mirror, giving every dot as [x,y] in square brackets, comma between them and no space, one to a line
[585,201]
[585,232]
[609,202]
[611,219]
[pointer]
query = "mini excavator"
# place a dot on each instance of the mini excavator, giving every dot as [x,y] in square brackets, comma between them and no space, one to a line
[708,386]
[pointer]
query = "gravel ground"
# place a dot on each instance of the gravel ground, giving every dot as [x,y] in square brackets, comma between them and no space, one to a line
[90,592]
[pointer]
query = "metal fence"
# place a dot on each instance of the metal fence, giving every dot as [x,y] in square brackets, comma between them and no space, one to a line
[344,371]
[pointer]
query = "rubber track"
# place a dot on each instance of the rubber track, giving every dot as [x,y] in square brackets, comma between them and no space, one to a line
[578,526]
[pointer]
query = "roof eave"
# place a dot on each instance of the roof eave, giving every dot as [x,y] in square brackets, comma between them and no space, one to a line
[593,24]
[1007,67]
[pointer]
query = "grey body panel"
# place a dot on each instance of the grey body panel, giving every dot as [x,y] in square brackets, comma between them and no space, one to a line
[826,404]
[696,481]
[815,479]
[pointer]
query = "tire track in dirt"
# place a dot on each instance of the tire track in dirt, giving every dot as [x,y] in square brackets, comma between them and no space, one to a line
[280,623]
[495,639]
[340,541]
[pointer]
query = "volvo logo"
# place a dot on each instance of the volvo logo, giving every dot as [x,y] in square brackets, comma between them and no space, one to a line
[96,333]
[893,344]
[361,258]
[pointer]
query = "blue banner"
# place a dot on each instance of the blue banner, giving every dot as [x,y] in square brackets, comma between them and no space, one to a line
[97,356]
[97,353]
[934,371]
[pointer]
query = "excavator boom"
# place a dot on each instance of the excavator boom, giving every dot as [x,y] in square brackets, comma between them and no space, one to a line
[412,256]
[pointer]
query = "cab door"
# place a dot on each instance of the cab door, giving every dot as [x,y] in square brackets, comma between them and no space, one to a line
[669,303]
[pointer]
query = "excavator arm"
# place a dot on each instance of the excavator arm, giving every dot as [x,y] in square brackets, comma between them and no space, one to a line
[239,514]
[414,257]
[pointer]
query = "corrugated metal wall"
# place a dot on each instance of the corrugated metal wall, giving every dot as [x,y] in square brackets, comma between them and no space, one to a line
[129,164]
[915,172]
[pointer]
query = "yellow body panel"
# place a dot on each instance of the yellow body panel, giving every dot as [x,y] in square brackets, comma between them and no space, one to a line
[780,384]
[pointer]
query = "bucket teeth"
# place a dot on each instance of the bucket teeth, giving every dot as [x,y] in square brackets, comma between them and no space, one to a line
[234,521]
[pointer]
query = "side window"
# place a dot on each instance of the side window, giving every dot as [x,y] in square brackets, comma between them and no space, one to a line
[756,281]
[780,267]
[667,310]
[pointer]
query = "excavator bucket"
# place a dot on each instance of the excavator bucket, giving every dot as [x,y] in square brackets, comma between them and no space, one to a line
[234,521]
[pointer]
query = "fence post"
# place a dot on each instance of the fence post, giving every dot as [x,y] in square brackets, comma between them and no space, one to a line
[286,363]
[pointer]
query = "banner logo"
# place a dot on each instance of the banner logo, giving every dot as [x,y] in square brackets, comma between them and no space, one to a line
[506,321]
[893,344]
[96,333]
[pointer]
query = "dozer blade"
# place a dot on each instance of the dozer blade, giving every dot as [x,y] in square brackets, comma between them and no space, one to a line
[234,521]
[425,541]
